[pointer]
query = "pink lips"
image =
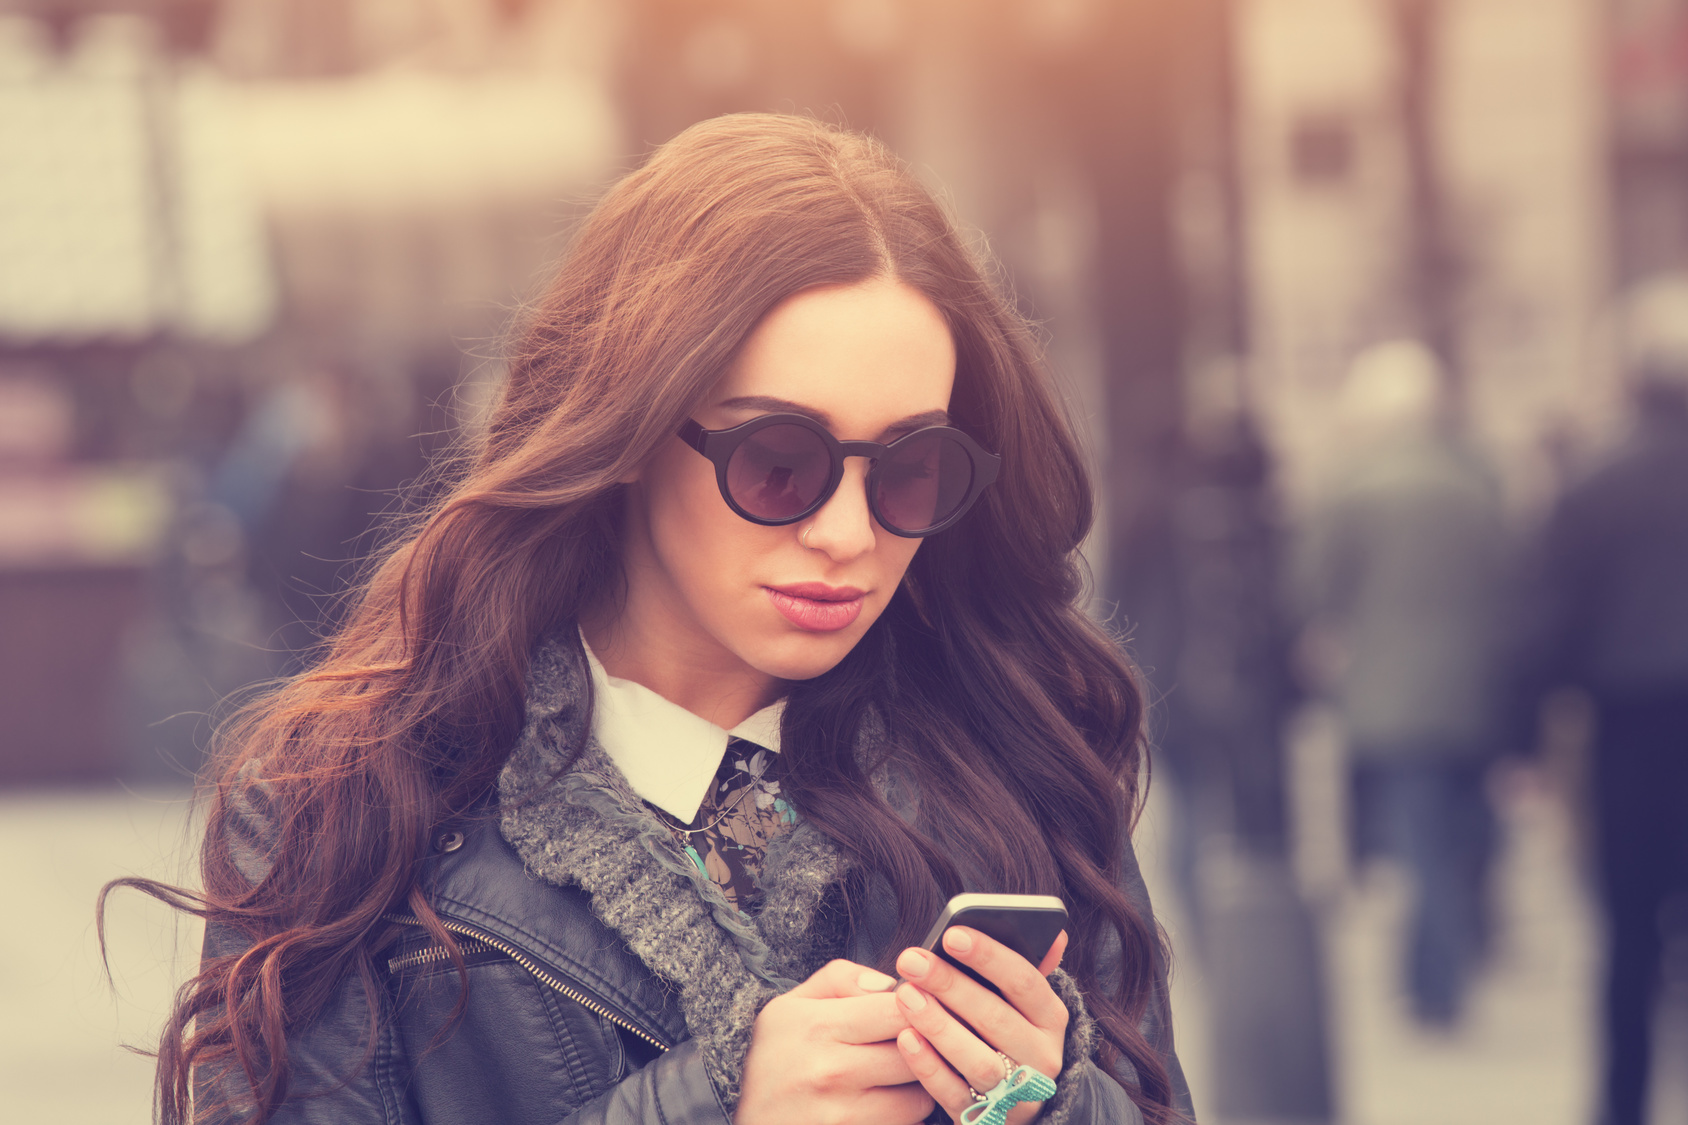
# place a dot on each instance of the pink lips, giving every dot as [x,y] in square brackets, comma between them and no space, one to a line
[817,607]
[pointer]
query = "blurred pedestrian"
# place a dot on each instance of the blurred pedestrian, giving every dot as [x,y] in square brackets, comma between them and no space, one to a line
[1402,576]
[1608,612]
[1217,640]
[1228,696]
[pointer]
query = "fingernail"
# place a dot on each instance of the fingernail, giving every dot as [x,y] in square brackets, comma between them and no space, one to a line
[959,941]
[915,962]
[908,1041]
[875,981]
[911,998]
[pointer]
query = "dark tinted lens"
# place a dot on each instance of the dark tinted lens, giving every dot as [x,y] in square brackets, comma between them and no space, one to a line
[923,482]
[779,472]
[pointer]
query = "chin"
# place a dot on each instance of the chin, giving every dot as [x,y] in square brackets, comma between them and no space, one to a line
[805,656]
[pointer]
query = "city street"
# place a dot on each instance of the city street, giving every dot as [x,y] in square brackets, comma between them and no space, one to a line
[1527,1052]
[1525,1056]
[61,1054]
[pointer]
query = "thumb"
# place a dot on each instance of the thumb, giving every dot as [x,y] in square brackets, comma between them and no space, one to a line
[842,979]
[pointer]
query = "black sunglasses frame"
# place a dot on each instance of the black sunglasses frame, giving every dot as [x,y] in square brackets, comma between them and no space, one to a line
[720,445]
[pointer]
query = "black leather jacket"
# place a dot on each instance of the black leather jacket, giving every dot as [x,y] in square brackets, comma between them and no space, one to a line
[562,1024]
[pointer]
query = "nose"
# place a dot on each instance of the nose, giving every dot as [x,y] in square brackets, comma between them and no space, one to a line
[843,526]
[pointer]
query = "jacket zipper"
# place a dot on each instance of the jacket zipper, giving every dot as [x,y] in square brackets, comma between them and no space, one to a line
[432,953]
[438,953]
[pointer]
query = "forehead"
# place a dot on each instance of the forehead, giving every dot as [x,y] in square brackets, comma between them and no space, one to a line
[863,355]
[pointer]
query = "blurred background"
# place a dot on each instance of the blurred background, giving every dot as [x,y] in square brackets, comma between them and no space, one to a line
[1371,312]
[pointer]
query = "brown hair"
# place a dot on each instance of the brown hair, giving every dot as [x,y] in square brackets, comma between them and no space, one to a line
[1022,717]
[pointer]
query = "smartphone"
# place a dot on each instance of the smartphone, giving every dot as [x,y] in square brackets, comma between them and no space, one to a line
[1027,924]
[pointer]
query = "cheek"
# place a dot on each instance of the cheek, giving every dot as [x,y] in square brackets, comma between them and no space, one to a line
[700,541]
[681,496]
[897,553]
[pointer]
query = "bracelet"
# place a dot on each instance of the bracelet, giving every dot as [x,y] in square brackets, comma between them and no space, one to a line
[1022,1084]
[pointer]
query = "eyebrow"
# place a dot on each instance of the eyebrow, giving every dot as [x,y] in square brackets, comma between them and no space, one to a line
[774,405]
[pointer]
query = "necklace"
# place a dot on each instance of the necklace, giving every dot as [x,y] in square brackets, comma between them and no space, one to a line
[738,799]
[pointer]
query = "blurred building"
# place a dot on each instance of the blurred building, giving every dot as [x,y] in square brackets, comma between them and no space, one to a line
[246,252]
[1426,168]
[123,220]
[258,246]
[1648,68]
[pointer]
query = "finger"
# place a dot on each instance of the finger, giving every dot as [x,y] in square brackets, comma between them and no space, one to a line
[994,1020]
[1052,960]
[907,1104]
[1026,989]
[876,1064]
[840,978]
[864,1019]
[969,1056]
[961,994]
[939,1079]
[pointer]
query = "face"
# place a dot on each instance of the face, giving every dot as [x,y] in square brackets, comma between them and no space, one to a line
[707,589]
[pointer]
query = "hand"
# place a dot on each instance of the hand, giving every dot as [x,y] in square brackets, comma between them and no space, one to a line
[823,1052]
[1028,1022]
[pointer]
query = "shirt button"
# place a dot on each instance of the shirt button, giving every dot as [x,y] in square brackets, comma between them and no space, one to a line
[449,841]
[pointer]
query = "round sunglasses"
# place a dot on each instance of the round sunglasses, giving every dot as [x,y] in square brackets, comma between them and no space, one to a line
[780,468]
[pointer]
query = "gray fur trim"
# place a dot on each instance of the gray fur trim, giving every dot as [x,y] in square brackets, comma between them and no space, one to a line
[797,871]
[585,827]
[1078,1051]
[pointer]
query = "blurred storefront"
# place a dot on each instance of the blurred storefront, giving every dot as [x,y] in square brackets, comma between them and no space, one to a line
[246,253]
[123,222]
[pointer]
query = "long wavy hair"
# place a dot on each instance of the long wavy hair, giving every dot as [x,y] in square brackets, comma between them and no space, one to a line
[1018,717]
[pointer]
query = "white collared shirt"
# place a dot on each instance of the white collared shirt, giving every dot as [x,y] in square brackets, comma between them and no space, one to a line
[667,754]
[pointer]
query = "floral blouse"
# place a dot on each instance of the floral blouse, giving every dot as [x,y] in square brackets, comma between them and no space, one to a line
[742,811]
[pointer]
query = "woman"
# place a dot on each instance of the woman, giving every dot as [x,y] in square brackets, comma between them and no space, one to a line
[745,639]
